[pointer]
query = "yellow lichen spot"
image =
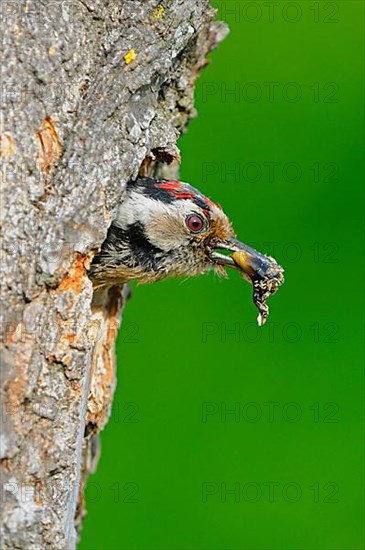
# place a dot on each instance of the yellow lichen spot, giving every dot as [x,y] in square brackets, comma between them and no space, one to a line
[52,51]
[158,12]
[130,56]
[7,148]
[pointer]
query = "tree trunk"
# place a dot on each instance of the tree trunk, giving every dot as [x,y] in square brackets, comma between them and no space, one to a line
[93,93]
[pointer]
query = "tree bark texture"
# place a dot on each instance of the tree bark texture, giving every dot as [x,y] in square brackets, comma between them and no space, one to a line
[93,93]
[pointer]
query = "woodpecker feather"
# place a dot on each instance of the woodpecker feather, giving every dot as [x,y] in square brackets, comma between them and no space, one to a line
[169,228]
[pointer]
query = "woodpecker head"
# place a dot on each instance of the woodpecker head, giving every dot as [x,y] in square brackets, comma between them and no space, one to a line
[168,228]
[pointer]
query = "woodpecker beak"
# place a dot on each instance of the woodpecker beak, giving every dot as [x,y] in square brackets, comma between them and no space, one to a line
[251,263]
[263,272]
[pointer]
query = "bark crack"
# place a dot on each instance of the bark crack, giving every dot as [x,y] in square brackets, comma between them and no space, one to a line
[77,123]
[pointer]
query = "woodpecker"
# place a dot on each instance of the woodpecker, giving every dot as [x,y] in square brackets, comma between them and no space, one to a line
[168,228]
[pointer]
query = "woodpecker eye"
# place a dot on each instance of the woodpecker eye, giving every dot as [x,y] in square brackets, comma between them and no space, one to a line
[195,223]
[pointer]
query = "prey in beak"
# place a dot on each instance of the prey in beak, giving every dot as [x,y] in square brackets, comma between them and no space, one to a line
[263,272]
[168,228]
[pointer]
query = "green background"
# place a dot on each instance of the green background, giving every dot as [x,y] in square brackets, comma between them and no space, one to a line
[294,453]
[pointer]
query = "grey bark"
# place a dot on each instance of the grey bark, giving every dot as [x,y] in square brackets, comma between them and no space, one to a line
[93,93]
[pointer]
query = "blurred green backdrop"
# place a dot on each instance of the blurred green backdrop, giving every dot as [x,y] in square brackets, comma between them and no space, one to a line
[226,436]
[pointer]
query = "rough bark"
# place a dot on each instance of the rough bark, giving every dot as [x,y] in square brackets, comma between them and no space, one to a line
[93,92]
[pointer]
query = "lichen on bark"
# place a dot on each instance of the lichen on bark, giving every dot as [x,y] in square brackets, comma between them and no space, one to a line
[93,93]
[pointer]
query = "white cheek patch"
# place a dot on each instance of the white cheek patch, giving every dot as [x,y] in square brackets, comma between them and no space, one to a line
[135,208]
[168,232]
[164,223]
